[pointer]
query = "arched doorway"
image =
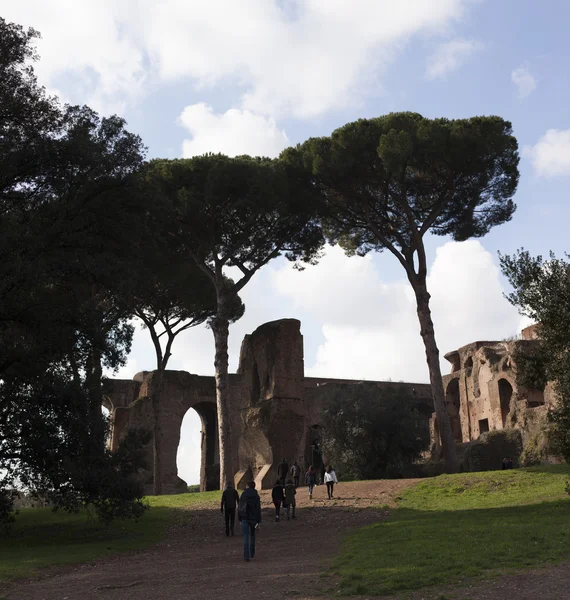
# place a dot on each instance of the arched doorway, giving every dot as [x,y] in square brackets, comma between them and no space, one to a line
[197,458]
[453,403]
[505,394]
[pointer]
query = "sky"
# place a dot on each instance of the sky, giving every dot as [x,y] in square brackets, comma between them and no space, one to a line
[255,76]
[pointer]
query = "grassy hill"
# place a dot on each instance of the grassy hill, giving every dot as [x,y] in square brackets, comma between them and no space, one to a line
[458,526]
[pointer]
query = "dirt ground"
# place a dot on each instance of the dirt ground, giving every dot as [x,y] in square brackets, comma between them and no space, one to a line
[198,561]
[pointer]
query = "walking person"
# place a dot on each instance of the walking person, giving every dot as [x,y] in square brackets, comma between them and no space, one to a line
[311,480]
[283,471]
[249,515]
[230,499]
[278,498]
[330,480]
[290,503]
[296,473]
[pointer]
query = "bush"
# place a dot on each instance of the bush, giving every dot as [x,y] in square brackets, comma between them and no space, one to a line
[372,436]
[7,509]
[194,489]
[487,452]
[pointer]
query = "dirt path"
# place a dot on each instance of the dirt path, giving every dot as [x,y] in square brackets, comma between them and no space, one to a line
[198,561]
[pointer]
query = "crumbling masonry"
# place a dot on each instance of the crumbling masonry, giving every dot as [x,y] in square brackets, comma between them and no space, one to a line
[275,410]
[482,393]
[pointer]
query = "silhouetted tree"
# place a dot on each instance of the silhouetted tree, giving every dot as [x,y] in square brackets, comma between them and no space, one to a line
[387,182]
[235,212]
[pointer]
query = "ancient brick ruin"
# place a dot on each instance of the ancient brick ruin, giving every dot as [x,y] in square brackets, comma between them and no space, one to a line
[275,410]
[482,393]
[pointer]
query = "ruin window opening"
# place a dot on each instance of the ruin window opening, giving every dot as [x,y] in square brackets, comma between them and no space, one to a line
[453,404]
[483,426]
[197,458]
[505,395]
[469,366]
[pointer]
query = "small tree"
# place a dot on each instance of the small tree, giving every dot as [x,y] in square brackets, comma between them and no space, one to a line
[372,435]
[235,212]
[387,182]
[170,295]
[542,292]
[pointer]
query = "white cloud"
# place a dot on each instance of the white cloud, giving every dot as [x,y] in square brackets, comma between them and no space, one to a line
[450,56]
[287,58]
[233,132]
[550,156]
[524,80]
[370,326]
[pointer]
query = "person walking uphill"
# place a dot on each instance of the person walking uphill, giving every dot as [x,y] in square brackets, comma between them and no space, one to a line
[283,471]
[330,480]
[290,503]
[278,497]
[249,515]
[311,480]
[230,499]
[296,473]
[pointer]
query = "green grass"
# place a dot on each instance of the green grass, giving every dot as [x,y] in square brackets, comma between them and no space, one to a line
[457,526]
[42,538]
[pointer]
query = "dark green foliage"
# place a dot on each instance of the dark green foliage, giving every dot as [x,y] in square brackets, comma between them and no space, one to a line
[488,452]
[68,223]
[373,435]
[531,361]
[541,291]
[7,509]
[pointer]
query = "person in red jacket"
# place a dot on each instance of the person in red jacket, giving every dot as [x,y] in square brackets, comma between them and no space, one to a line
[230,499]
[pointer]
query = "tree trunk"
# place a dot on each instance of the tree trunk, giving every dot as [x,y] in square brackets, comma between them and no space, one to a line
[432,355]
[93,380]
[157,434]
[220,327]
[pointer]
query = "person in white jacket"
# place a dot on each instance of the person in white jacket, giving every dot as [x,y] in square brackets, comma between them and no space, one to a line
[330,480]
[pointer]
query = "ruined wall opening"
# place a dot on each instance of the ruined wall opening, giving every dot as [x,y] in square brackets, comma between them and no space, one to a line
[505,395]
[197,458]
[469,366]
[483,426]
[453,403]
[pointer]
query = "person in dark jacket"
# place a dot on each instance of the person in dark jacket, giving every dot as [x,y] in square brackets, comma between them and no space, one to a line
[296,473]
[230,499]
[283,471]
[311,479]
[249,515]
[278,497]
[290,502]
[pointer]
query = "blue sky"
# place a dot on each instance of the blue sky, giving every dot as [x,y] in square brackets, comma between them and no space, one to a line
[257,75]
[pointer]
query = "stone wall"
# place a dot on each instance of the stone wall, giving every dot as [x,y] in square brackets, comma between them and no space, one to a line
[482,393]
[275,410]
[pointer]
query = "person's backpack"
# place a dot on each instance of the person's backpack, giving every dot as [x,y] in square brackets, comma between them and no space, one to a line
[245,507]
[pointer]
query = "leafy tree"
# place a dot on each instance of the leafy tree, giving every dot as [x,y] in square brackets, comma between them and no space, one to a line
[65,214]
[373,436]
[387,182]
[542,292]
[235,212]
[170,295]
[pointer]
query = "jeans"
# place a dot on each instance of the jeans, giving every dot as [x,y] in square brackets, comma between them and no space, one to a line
[330,487]
[296,481]
[311,486]
[248,532]
[277,509]
[230,518]
[287,507]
